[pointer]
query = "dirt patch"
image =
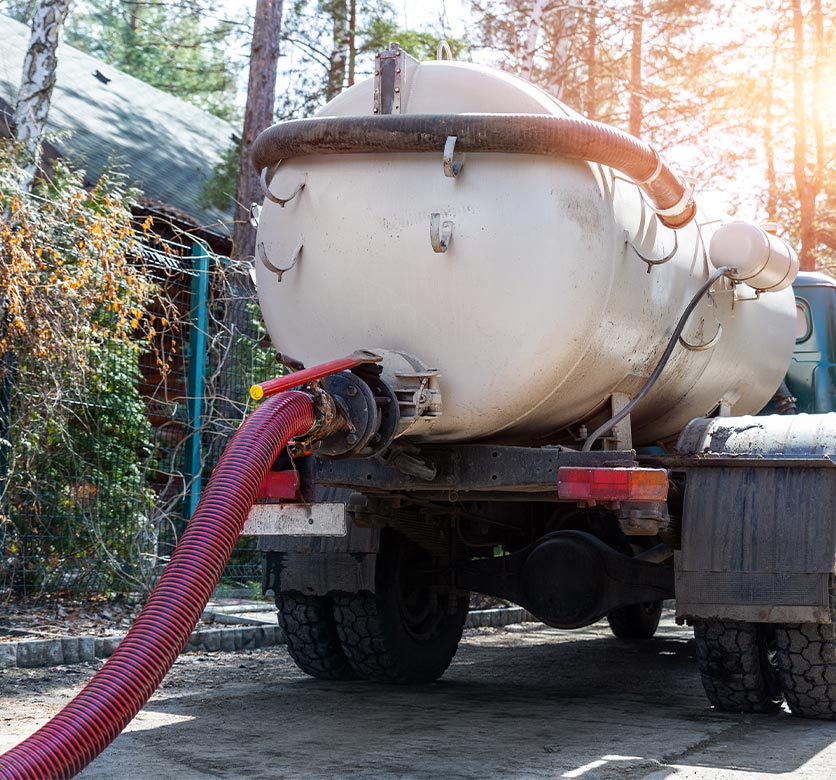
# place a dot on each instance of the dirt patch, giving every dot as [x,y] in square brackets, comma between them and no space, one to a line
[47,622]
[91,618]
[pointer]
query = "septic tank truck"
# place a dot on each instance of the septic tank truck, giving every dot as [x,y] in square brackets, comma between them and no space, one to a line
[553,359]
[554,356]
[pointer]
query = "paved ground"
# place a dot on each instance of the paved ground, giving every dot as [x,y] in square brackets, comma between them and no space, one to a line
[520,702]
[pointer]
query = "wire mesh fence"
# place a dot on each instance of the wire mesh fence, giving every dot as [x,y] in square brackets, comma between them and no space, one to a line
[94,503]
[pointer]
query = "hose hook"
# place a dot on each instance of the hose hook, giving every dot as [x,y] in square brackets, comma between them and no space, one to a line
[262,255]
[440,233]
[265,189]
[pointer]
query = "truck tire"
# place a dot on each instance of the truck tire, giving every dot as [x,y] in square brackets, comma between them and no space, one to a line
[312,641]
[406,632]
[738,665]
[635,621]
[807,664]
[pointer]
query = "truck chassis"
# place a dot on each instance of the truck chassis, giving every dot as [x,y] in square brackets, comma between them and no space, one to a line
[741,542]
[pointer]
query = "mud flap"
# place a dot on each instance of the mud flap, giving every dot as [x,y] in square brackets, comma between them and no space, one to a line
[758,533]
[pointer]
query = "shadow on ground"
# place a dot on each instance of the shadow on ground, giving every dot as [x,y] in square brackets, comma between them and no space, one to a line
[523,703]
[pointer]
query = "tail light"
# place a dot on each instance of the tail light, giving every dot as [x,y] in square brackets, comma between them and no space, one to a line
[612,484]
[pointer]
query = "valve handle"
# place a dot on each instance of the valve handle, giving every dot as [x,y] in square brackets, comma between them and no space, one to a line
[298,378]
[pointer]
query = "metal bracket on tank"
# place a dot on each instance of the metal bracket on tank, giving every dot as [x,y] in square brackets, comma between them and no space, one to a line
[662,260]
[706,345]
[388,80]
[262,255]
[440,233]
[443,51]
[453,163]
[255,214]
[621,435]
[265,189]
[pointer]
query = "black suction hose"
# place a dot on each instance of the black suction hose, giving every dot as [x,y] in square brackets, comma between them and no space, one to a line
[558,136]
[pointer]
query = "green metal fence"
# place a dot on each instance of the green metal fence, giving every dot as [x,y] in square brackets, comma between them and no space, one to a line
[99,509]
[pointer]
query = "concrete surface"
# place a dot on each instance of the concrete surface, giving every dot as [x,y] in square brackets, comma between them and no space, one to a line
[260,629]
[518,702]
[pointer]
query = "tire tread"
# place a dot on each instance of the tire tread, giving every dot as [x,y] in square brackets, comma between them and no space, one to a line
[807,668]
[729,659]
[311,634]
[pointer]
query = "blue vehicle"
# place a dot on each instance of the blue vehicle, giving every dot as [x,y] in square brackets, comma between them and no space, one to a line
[811,377]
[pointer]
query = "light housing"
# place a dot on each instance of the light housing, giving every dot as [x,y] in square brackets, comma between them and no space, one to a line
[576,483]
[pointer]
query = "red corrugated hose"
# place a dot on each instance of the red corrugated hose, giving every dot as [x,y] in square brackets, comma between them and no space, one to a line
[96,716]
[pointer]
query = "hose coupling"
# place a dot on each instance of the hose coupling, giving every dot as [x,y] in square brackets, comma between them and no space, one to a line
[356,412]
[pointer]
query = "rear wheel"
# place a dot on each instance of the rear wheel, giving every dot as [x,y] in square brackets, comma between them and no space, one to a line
[636,621]
[312,641]
[409,630]
[738,665]
[807,663]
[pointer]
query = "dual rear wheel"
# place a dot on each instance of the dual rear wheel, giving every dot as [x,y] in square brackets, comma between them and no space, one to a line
[406,632]
[748,667]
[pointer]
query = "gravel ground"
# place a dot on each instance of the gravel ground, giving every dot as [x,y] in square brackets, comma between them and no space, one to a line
[519,702]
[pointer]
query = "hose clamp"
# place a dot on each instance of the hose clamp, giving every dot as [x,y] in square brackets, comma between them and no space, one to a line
[686,200]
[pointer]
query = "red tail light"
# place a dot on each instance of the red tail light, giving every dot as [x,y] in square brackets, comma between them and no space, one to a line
[612,484]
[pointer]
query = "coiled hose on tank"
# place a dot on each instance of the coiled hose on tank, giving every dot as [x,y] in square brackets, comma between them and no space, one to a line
[96,716]
[568,137]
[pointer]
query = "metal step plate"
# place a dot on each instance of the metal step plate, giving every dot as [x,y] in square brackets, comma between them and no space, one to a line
[326,519]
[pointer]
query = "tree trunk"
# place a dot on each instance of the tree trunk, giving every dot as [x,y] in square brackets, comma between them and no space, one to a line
[258,114]
[352,41]
[768,133]
[534,22]
[818,74]
[261,98]
[567,24]
[591,57]
[339,52]
[37,81]
[636,103]
[806,185]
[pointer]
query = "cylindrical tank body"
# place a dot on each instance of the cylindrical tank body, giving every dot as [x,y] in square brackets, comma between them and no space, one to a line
[541,308]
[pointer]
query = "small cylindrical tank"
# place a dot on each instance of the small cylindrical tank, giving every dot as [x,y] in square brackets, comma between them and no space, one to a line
[559,287]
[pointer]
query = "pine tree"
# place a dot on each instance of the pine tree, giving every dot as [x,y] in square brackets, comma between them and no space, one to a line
[330,44]
[181,47]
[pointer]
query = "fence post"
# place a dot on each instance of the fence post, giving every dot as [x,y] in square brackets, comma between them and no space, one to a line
[6,378]
[199,323]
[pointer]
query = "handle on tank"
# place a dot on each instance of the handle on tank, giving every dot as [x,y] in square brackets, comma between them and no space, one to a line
[567,137]
[271,266]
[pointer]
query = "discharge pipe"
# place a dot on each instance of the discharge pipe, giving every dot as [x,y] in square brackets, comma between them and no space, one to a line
[96,716]
[567,137]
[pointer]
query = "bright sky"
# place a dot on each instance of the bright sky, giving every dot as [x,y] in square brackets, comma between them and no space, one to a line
[452,14]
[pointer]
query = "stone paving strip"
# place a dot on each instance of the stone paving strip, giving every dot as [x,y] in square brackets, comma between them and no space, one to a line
[32,653]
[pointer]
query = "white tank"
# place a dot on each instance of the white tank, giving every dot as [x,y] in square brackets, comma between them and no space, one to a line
[541,307]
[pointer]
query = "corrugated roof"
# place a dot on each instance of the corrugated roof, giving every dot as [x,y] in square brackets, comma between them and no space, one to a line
[167,147]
